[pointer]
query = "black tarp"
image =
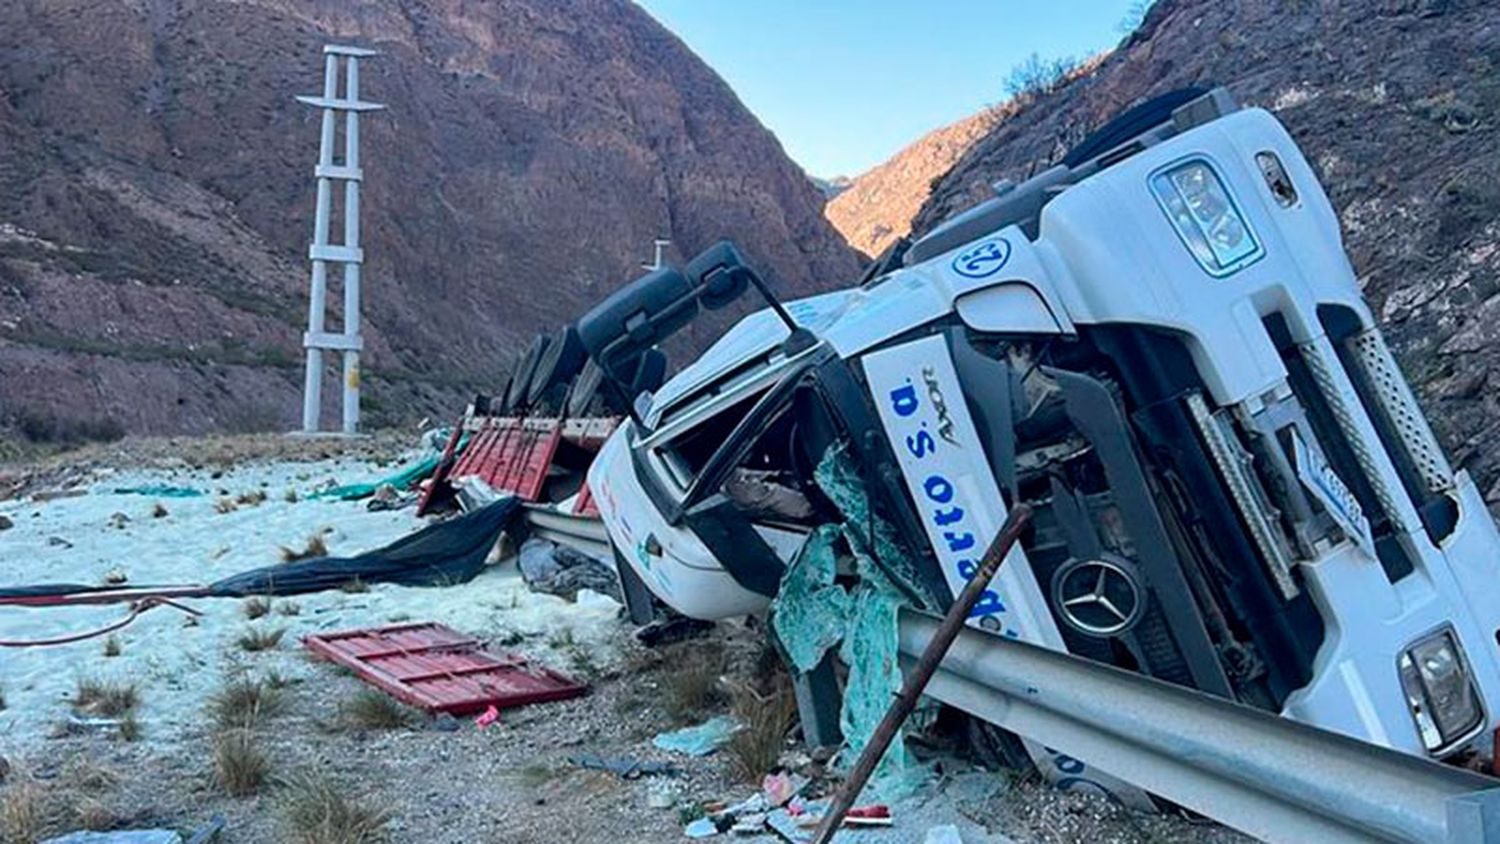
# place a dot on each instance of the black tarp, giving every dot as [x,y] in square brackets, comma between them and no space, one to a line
[439,555]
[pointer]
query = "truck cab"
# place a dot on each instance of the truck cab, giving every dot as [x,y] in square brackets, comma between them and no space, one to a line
[1160,346]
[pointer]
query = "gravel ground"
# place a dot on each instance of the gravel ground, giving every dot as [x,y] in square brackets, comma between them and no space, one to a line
[452,781]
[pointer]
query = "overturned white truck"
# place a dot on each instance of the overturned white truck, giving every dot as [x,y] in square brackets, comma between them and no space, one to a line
[1160,345]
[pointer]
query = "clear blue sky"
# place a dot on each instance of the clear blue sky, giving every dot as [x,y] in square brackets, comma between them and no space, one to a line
[846,83]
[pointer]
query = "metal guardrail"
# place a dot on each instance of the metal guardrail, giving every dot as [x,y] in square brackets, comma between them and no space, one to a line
[1271,777]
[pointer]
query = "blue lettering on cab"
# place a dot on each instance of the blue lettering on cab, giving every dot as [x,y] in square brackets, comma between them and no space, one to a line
[944,512]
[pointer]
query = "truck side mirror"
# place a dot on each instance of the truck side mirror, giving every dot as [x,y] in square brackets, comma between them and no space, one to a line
[637,317]
[720,275]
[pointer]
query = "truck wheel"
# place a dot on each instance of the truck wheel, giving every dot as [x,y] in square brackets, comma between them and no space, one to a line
[559,364]
[520,382]
[585,388]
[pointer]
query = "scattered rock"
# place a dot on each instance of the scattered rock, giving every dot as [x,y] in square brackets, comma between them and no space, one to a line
[115,576]
[58,542]
[118,521]
[6,524]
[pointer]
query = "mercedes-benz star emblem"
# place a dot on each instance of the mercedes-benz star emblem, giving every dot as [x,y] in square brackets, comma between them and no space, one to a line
[1099,597]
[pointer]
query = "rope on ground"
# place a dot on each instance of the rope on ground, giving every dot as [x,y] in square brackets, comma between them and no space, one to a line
[136,609]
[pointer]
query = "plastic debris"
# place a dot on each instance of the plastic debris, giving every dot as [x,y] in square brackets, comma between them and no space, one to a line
[700,740]
[752,824]
[701,828]
[559,570]
[627,767]
[123,836]
[405,478]
[877,814]
[779,788]
[662,793]
[487,717]
[159,491]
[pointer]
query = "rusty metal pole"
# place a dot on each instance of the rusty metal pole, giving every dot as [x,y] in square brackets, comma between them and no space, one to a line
[927,664]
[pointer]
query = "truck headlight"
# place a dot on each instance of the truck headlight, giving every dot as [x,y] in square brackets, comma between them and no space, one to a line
[1439,691]
[1205,216]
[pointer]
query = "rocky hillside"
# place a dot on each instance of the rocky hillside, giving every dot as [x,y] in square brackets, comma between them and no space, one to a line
[156,196]
[1396,103]
[878,206]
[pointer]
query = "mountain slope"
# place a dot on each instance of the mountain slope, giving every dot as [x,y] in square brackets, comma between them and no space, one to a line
[1397,105]
[877,208]
[156,189]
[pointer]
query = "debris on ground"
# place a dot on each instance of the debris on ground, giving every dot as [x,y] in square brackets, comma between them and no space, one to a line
[699,740]
[561,570]
[124,836]
[627,767]
[159,491]
[407,478]
[665,631]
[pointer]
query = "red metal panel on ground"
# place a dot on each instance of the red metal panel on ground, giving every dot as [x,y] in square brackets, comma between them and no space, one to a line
[511,455]
[439,669]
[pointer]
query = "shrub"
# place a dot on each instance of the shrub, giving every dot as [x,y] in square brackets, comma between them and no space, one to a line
[261,640]
[314,810]
[239,765]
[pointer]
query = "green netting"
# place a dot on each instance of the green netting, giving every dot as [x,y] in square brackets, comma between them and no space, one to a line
[870,649]
[403,479]
[838,477]
[159,491]
[811,613]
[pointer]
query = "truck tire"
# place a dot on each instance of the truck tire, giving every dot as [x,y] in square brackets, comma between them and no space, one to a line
[585,390]
[558,365]
[520,382]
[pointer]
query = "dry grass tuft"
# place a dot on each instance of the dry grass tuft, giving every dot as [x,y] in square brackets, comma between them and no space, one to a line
[355,586]
[289,608]
[92,814]
[240,704]
[691,693]
[261,640]
[111,646]
[370,709]
[239,765]
[107,699]
[314,810]
[290,497]
[158,510]
[315,547]
[257,607]
[253,498]
[225,505]
[87,774]
[753,750]
[130,727]
[22,813]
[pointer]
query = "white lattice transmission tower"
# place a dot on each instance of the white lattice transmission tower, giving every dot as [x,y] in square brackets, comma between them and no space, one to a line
[348,254]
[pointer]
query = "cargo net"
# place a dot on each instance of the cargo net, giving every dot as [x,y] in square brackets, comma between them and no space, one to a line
[813,612]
